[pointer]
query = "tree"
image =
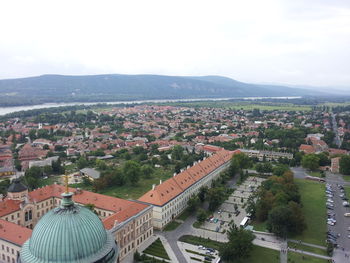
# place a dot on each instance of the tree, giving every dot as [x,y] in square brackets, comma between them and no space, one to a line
[344,165]
[177,152]
[278,221]
[215,197]
[280,169]
[57,167]
[101,165]
[32,134]
[239,245]
[193,203]
[132,171]
[310,161]
[238,162]
[201,215]
[284,220]
[147,170]
[82,162]
[324,159]
[202,193]
[264,167]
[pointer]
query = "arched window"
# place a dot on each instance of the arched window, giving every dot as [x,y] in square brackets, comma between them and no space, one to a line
[26,216]
[30,215]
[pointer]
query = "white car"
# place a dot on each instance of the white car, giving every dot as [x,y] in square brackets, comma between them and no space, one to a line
[330,200]
[330,223]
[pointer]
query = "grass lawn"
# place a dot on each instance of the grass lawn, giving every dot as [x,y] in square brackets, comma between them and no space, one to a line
[315,174]
[262,255]
[259,226]
[347,191]
[135,191]
[49,180]
[71,168]
[157,249]
[200,241]
[346,178]
[308,248]
[171,226]
[294,257]
[314,207]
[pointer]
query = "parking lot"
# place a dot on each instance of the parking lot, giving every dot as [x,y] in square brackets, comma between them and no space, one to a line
[338,224]
[232,208]
[197,254]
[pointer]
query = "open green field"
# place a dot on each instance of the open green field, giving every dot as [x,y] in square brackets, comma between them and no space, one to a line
[294,257]
[135,191]
[245,105]
[262,255]
[314,207]
[131,191]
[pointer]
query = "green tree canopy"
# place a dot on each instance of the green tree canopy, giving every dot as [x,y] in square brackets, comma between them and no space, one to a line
[344,165]
[310,161]
[239,245]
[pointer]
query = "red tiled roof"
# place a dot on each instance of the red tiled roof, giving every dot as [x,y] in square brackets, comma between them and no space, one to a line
[307,148]
[104,202]
[174,186]
[109,203]
[14,233]
[8,206]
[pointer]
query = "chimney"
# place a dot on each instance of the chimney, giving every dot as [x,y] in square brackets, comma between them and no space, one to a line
[153,186]
[174,174]
[160,181]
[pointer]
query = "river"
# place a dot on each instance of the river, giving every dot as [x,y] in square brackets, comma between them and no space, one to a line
[7,110]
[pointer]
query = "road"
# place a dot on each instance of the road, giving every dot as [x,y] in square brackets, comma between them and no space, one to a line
[337,139]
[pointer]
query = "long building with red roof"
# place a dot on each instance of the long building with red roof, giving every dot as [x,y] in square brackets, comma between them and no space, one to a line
[170,197]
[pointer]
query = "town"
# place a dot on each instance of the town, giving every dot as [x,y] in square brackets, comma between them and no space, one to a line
[184,182]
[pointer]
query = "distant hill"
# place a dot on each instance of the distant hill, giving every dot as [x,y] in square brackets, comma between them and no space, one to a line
[112,87]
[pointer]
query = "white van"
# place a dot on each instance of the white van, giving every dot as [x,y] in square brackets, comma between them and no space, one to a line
[347,214]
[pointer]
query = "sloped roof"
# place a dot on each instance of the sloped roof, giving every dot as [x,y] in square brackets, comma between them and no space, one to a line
[16,187]
[174,186]
[14,233]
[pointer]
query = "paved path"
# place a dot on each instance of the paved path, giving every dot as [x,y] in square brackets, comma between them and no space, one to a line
[284,252]
[169,249]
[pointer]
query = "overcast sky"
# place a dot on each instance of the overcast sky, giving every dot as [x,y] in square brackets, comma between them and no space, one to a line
[270,41]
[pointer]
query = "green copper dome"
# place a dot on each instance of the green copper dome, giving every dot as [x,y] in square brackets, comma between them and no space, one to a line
[69,233]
